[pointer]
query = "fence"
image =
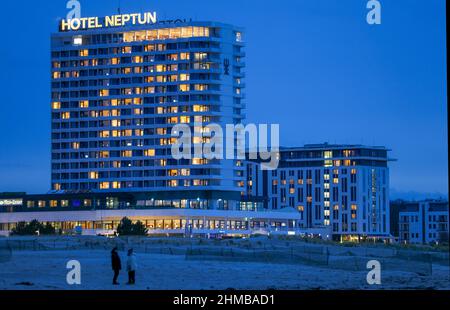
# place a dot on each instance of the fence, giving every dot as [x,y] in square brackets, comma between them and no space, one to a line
[265,251]
[5,252]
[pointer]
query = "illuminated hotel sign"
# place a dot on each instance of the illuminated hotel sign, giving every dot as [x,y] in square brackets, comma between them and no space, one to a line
[10,202]
[109,21]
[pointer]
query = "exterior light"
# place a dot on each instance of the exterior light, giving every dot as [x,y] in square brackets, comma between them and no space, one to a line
[77,41]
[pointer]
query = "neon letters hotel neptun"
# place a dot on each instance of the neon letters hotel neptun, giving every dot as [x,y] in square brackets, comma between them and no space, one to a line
[108,21]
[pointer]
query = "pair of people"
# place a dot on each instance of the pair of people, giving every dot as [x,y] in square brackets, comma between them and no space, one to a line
[117,266]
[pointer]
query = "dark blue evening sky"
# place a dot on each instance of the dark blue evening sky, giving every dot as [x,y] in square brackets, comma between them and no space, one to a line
[313,66]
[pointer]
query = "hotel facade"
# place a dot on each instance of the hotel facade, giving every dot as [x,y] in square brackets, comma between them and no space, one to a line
[344,188]
[116,93]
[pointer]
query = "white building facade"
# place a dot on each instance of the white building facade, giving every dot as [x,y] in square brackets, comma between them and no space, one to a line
[117,92]
[424,222]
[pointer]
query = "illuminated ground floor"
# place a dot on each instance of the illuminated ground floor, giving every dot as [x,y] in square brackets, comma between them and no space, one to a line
[167,221]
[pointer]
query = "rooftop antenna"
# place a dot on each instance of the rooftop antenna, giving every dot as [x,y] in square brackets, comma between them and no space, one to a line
[118,9]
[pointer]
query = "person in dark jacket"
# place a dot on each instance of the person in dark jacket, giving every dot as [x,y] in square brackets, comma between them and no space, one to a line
[116,264]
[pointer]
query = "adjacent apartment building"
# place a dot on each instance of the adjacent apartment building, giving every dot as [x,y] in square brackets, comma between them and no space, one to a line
[422,222]
[342,187]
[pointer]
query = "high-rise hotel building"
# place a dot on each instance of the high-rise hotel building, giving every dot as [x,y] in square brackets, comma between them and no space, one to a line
[116,94]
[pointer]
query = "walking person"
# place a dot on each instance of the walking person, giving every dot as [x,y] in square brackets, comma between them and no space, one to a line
[131,267]
[116,265]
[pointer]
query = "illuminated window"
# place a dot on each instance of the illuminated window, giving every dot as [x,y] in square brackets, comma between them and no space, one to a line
[149,152]
[56,105]
[200,87]
[84,53]
[93,175]
[104,185]
[173,183]
[104,134]
[104,92]
[184,87]
[126,49]
[103,154]
[173,57]
[185,172]
[184,119]
[163,34]
[84,104]
[127,153]
[172,120]
[185,56]
[160,68]
[53,203]
[184,77]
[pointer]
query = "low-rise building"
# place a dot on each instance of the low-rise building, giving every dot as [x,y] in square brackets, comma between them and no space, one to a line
[423,222]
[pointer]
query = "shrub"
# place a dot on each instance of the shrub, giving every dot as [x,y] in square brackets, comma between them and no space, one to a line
[127,228]
[33,228]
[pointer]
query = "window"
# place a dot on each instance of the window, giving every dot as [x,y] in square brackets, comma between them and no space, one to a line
[56,105]
[84,104]
[104,185]
[238,37]
[149,152]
